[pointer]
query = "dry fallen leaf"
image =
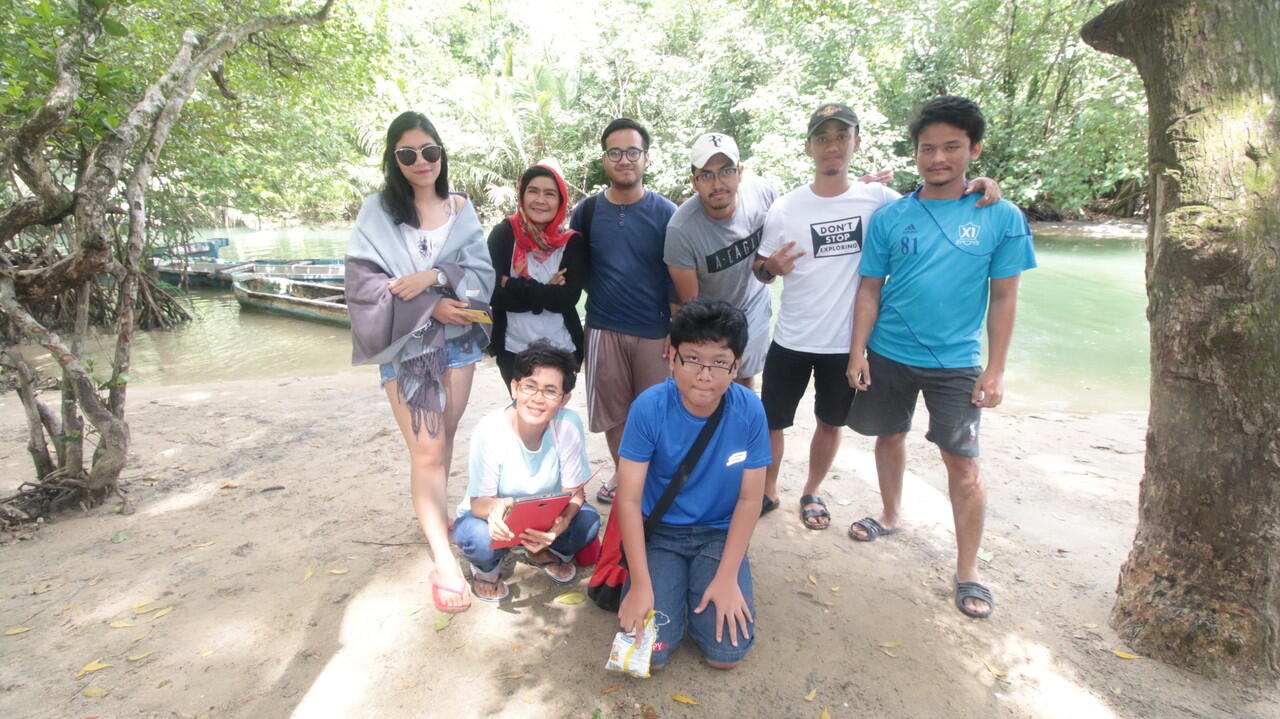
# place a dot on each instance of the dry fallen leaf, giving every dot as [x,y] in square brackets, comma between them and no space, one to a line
[891,644]
[410,611]
[649,712]
[513,675]
[684,699]
[162,612]
[139,657]
[339,571]
[1052,585]
[611,688]
[888,653]
[16,630]
[811,695]
[207,653]
[825,714]
[142,608]
[229,484]
[835,589]
[307,574]
[813,579]
[203,544]
[121,624]
[91,667]
[570,598]
[995,672]
[1125,655]
[1117,691]
[94,692]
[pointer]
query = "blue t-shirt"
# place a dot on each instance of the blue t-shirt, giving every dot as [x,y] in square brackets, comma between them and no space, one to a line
[660,431]
[939,256]
[628,287]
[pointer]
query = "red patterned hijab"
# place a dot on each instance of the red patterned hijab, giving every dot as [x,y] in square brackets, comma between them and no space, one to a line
[530,239]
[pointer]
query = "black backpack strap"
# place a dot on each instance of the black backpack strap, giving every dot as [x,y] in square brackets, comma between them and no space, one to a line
[588,213]
[686,466]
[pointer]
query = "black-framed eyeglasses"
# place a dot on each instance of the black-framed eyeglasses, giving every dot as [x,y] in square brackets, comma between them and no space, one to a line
[696,367]
[723,173]
[407,156]
[529,389]
[616,154]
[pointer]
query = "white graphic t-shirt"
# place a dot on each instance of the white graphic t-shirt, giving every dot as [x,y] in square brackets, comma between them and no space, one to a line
[816,309]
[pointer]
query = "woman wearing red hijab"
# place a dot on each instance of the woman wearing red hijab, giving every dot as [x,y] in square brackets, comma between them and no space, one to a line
[541,269]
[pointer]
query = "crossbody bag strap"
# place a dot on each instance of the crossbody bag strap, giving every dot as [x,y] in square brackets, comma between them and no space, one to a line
[686,466]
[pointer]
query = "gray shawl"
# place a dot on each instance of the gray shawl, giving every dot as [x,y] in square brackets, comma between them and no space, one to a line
[385,328]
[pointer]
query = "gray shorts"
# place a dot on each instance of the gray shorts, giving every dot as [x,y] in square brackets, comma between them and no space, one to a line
[889,404]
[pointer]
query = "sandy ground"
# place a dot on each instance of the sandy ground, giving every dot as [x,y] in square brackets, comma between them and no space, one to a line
[260,506]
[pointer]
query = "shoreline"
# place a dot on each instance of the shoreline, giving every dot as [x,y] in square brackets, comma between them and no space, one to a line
[312,600]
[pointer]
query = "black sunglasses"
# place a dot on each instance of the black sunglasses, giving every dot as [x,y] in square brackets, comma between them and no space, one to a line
[407,155]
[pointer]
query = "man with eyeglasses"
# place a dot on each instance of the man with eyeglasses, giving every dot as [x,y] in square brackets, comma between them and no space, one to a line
[531,447]
[813,237]
[712,240]
[629,293]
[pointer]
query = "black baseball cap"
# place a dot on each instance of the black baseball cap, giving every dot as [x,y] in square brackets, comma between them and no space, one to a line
[832,111]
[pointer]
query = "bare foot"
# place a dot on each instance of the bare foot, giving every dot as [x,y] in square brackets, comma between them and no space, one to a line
[453,586]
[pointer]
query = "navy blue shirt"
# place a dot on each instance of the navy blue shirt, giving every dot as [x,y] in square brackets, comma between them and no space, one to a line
[628,287]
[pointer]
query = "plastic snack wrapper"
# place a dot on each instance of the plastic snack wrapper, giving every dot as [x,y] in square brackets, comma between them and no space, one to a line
[631,654]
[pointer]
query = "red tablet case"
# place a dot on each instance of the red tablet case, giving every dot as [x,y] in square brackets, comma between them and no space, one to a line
[538,513]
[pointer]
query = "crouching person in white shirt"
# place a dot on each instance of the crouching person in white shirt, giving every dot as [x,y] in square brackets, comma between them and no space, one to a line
[531,447]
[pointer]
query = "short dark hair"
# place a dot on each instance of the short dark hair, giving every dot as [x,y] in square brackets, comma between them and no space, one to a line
[702,320]
[397,193]
[624,123]
[541,353]
[956,111]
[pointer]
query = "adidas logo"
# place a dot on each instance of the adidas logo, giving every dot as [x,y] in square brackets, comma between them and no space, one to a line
[910,228]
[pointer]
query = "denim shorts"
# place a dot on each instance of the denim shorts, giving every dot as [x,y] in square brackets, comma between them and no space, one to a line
[461,354]
[682,562]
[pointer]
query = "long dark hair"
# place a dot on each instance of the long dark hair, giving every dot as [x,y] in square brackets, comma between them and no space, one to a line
[397,193]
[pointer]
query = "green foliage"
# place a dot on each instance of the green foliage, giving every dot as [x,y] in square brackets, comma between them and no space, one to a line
[509,84]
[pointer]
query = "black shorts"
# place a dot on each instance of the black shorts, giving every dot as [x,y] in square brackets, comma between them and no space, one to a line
[786,376]
[888,405]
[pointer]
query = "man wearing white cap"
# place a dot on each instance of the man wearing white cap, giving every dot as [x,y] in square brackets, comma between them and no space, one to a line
[712,240]
[813,238]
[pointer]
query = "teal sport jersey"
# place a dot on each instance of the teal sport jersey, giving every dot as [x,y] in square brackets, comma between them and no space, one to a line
[938,256]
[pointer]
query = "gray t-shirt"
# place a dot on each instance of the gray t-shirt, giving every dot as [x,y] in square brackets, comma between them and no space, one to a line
[722,251]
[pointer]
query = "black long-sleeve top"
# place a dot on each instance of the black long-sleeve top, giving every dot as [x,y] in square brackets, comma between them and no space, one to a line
[525,295]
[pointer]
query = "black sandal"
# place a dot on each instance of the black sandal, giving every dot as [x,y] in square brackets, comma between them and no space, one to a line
[819,513]
[872,528]
[974,590]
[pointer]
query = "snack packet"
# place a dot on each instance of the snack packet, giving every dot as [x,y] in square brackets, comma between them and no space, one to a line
[631,654]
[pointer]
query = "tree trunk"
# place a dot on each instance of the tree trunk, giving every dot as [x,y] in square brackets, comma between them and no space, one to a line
[1201,587]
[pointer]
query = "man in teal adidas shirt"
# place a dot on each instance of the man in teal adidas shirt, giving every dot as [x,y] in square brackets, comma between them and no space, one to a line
[933,267]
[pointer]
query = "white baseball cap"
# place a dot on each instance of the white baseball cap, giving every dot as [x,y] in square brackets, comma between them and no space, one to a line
[710,145]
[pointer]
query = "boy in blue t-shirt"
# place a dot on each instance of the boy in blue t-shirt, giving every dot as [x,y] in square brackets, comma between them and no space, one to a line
[934,265]
[697,555]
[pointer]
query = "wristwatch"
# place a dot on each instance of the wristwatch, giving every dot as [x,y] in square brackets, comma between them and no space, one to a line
[441,280]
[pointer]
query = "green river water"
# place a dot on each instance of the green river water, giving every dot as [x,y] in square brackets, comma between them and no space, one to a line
[1080,343]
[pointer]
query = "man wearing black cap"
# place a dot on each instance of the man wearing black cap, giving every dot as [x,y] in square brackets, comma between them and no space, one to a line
[813,237]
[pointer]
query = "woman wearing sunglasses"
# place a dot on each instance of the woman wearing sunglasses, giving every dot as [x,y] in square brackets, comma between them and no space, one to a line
[541,269]
[418,278]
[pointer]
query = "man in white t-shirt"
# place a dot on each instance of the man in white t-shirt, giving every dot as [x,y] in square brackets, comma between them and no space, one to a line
[813,237]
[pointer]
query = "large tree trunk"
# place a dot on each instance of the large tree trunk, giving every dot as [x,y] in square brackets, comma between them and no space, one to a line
[1201,587]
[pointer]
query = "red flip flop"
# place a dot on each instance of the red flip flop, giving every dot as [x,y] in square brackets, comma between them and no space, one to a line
[437,588]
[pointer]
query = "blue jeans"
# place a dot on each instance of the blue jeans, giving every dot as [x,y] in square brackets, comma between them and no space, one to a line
[471,534]
[682,562]
[458,357]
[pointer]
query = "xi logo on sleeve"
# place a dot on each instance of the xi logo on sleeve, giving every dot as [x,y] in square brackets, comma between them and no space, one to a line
[837,237]
[736,458]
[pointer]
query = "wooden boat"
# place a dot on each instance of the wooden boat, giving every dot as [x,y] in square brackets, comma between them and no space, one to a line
[205,273]
[304,300]
[301,270]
